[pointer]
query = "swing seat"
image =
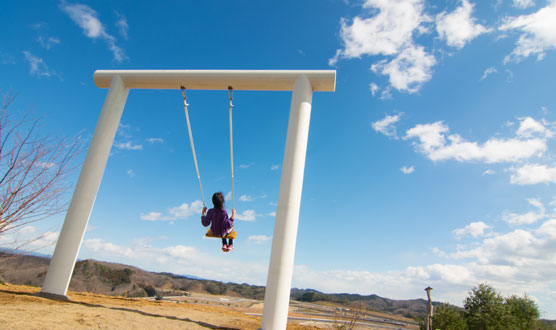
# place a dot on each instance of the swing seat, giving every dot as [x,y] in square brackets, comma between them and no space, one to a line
[230,235]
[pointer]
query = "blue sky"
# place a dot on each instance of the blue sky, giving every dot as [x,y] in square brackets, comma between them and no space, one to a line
[433,163]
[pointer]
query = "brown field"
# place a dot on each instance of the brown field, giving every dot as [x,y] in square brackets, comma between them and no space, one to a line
[21,309]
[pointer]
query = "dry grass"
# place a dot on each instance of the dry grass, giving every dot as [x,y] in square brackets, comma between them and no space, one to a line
[21,309]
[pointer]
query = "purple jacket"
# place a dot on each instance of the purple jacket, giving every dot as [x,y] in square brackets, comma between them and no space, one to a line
[221,224]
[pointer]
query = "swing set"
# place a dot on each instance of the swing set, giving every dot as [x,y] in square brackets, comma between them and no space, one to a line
[233,233]
[302,84]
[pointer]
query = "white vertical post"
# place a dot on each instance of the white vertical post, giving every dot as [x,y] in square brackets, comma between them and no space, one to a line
[67,248]
[280,271]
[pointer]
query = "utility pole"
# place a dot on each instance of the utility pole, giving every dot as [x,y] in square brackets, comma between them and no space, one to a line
[429,309]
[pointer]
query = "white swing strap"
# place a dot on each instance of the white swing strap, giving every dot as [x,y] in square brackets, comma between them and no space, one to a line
[191,141]
[230,94]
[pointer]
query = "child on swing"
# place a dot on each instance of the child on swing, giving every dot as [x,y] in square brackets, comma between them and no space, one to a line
[221,224]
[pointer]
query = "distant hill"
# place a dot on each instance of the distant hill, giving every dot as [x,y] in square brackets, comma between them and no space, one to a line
[408,308]
[117,279]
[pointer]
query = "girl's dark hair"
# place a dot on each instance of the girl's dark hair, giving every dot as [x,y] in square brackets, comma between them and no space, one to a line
[218,200]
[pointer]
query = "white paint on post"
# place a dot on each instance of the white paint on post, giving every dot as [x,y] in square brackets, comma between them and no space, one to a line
[67,248]
[280,271]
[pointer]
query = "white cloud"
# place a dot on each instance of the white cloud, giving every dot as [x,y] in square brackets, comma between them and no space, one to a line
[155,140]
[386,95]
[186,210]
[275,167]
[86,18]
[47,43]
[180,259]
[374,88]
[407,170]
[130,173]
[538,33]
[247,215]
[124,130]
[100,245]
[451,281]
[431,136]
[388,31]
[432,142]
[50,236]
[152,216]
[272,214]
[529,174]
[259,239]
[439,253]
[520,256]
[548,229]
[529,127]
[122,25]
[37,67]
[27,238]
[521,261]
[182,211]
[246,198]
[474,229]
[523,3]
[385,33]
[511,262]
[27,230]
[526,218]
[488,72]
[180,251]
[458,27]
[489,172]
[128,146]
[386,125]
[246,165]
[409,70]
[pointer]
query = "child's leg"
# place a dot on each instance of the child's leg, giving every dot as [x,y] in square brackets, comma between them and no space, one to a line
[230,242]
[224,246]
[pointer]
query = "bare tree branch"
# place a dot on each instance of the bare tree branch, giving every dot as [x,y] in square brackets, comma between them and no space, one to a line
[33,171]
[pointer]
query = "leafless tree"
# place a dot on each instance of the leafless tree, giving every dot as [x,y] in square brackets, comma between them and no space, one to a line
[33,171]
[346,319]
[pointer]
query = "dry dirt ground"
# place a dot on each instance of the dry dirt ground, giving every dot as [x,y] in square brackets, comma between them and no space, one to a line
[21,309]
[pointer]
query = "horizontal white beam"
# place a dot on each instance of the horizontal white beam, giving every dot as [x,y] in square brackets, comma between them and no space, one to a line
[266,80]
